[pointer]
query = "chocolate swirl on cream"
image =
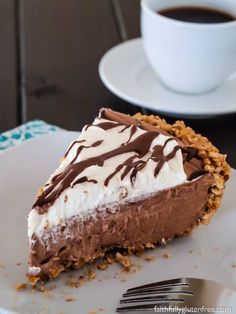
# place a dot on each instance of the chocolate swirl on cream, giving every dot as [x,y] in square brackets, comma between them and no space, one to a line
[138,144]
[104,125]
[80,148]
[71,146]
[157,155]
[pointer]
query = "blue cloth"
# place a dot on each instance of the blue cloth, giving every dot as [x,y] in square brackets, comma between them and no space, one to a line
[25,132]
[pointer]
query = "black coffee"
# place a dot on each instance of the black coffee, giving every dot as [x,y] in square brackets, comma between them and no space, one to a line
[197,15]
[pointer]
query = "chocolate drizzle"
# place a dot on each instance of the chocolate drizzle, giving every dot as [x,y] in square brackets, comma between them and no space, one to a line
[128,165]
[82,180]
[140,146]
[80,148]
[124,128]
[105,125]
[63,180]
[159,157]
[71,146]
[133,130]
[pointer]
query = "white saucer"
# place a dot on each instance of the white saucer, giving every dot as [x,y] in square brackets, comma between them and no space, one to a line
[125,71]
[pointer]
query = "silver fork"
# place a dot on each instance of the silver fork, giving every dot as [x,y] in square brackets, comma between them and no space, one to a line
[180,294]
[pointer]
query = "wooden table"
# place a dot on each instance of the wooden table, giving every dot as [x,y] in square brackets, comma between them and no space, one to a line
[49,55]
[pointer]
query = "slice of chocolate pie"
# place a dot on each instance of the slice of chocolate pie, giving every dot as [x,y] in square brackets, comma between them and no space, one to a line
[125,182]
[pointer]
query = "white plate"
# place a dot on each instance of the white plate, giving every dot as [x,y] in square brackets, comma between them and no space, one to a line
[125,71]
[23,169]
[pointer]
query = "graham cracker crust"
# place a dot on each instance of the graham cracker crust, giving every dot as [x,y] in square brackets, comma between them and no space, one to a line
[213,161]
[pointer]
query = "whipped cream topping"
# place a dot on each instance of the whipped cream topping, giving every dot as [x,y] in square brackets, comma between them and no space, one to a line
[109,163]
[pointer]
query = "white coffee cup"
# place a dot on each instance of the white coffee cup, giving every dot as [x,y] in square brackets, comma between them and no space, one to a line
[189,57]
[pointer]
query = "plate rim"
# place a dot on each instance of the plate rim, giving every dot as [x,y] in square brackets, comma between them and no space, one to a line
[35,138]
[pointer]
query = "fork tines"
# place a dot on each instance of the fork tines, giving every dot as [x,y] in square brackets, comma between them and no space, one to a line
[179,282]
[162,293]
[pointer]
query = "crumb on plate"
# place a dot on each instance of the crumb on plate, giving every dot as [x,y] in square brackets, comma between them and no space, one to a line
[149,258]
[70,298]
[21,286]
[166,255]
